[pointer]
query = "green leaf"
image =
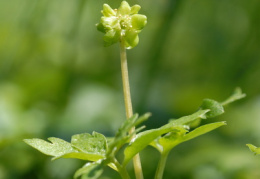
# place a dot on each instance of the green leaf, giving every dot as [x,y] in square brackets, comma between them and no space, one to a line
[168,141]
[237,94]
[56,148]
[143,139]
[172,139]
[254,149]
[195,123]
[126,126]
[90,147]
[81,156]
[215,108]
[87,143]
[83,146]
[188,119]
[90,171]
[142,118]
[122,135]
[202,130]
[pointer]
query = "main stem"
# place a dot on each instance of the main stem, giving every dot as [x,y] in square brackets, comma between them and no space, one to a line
[161,165]
[128,104]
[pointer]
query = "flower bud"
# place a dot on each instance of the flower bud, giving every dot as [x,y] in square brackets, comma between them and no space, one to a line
[124,24]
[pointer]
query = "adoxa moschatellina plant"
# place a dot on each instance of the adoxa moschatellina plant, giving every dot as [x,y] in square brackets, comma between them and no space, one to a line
[123,25]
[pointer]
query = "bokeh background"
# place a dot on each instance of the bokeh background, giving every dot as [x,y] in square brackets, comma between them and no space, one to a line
[57,79]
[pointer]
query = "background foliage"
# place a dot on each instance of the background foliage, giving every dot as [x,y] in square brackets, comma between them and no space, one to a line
[56,79]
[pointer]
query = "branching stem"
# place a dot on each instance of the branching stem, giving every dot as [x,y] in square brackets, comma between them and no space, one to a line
[128,104]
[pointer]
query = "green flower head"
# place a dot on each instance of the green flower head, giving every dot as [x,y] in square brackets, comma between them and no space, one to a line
[121,24]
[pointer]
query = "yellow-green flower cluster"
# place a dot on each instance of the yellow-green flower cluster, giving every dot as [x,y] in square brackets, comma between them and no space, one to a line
[122,24]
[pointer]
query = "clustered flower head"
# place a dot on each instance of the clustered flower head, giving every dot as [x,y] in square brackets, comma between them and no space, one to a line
[122,24]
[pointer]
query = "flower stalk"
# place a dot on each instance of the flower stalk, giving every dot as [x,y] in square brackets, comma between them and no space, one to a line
[128,104]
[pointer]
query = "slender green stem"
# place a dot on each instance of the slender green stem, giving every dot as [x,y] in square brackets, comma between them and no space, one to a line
[125,79]
[121,170]
[161,165]
[128,104]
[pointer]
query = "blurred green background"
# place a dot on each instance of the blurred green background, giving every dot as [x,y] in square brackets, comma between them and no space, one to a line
[57,79]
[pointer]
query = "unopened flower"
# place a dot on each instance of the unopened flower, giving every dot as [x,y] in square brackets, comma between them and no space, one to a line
[122,24]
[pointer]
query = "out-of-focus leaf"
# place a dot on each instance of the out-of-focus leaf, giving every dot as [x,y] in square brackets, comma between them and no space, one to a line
[90,171]
[122,135]
[254,149]
[237,94]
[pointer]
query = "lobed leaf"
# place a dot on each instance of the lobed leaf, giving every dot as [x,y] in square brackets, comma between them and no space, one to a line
[56,147]
[83,146]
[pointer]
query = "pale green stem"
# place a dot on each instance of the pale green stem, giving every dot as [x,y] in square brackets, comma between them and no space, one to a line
[121,170]
[128,105]
[161,165]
